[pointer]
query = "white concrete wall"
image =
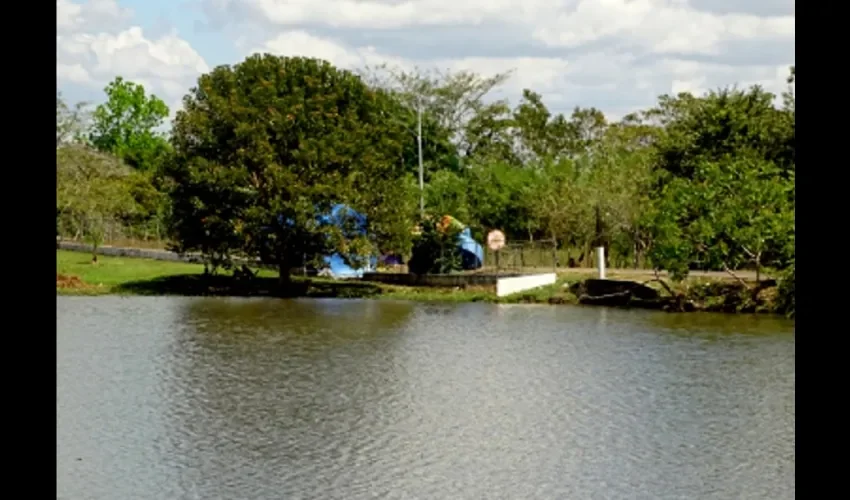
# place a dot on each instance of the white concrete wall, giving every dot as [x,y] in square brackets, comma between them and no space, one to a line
[508,286]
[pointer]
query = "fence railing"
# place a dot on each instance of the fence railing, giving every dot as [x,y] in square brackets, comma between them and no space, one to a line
[151,234]
[523,255]
[546,255]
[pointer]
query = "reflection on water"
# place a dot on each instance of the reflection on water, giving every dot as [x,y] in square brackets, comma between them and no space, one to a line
[242,398]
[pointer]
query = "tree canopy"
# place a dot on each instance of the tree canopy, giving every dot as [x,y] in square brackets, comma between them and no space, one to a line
[265,148]
[126,125]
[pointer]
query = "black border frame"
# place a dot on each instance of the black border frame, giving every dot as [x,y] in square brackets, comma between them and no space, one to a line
[23,88]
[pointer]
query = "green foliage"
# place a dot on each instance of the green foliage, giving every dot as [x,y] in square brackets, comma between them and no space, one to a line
[584,130]
[205,211]
[723,124]
[435,251]
[141,189]
[785,301]
[502,196]
[125,125]
[788,97]
[393,211]
[724,190]
[446,194]
[487,135]
[438,150]
[92,189]
[727,215]
[266,147]
[563,204]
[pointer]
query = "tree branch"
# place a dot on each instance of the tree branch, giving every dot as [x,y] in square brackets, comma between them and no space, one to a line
[662,282]
[737,278]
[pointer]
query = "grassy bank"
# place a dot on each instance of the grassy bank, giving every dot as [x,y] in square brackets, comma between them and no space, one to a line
[76,275]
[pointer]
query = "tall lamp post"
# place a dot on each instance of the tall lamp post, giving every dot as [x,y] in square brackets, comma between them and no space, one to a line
[418,134]
[421,168]
[417,93]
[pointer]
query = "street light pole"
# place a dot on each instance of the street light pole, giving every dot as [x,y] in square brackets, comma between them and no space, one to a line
[421,168]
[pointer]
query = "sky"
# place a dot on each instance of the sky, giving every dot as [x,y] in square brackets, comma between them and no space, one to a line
[615,55]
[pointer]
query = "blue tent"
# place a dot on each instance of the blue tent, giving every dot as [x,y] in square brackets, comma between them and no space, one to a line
[335,263]
[337,267]
[472,255]
[339,215]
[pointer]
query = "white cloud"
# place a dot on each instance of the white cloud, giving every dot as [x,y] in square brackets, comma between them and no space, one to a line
[374,14]
[528,72]
[72,73]
[616,83]
[94,15]
[94,45]
[659,25]
[695,77]
[301,43]
[617,55]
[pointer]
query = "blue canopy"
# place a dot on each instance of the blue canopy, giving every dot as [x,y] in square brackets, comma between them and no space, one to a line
[336,264]
[472,255]
[340,214]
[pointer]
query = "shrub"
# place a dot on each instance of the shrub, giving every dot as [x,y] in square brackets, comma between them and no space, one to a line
[785,302]
[435,251]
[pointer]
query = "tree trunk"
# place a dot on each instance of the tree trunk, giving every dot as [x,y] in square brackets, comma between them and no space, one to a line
[636,249]
[284,280]
[554,252]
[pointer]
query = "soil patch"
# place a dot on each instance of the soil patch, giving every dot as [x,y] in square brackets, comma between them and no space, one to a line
[70,281]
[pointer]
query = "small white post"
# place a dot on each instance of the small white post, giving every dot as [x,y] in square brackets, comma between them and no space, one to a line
[600,261]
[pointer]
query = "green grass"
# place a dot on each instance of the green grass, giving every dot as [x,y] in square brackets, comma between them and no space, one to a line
[136,276]
[110,272]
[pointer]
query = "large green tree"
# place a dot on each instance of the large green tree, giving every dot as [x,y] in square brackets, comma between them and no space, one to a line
[265,148]
[724,190]
[126,125]
[503,196]
[618,169]
[93,190]
[447,194]
[728,214]
[585,128]
[721,124]
[539,135]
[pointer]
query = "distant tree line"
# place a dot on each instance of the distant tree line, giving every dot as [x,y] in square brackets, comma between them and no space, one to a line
[263,149]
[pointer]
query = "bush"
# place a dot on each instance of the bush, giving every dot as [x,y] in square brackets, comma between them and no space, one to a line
[785,302]
[435,252]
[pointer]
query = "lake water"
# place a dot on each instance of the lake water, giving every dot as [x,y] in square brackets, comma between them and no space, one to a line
[183,398]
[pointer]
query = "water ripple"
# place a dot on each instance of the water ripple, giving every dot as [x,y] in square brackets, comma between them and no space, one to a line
[263,399]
